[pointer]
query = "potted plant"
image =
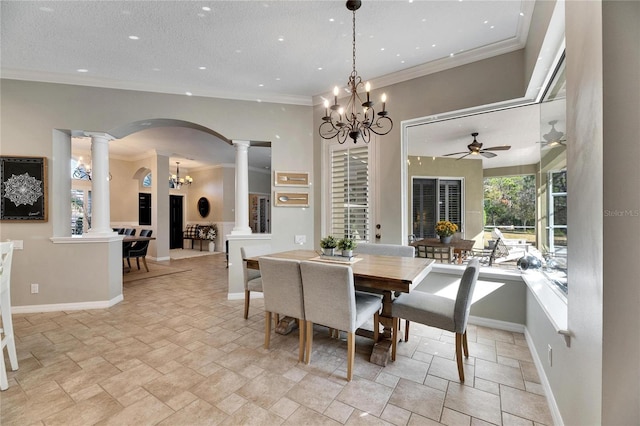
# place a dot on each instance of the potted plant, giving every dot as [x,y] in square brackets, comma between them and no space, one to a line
[328,245]
[445,230]
[347,245]
[209,232]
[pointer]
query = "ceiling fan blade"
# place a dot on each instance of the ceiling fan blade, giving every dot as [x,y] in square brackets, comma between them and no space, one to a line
[498,148]
[460,158]
[488,154]
[456,153]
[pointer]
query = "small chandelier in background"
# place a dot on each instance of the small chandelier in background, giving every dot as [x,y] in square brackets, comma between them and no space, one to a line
[339,122]
[82,171]
[175,181]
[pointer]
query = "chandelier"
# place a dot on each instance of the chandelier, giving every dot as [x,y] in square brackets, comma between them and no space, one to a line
[82,171]
[339,122]
[175,181]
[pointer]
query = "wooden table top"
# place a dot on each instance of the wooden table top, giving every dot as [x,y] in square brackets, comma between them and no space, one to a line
[132,238]
[435,242]
[391,273]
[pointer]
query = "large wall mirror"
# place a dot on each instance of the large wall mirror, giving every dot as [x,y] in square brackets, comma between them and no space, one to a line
[512,186]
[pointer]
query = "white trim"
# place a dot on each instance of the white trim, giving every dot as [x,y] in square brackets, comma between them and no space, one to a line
[553,405]
[497,324]
[551,302]
[82,239]
[58,307]
[240,296]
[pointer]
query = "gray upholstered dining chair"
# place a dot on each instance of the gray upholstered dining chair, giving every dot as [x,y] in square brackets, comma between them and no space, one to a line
[330,299]
[440,312]
[385,249]
[252,278]
[282,289]
[7,338]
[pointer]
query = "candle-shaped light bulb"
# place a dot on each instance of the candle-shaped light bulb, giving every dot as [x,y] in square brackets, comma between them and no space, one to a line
[367,88]
[384,100]
[335,95]
[341,111]
[326,107]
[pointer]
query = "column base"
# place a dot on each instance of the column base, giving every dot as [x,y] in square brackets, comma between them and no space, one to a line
[241,231]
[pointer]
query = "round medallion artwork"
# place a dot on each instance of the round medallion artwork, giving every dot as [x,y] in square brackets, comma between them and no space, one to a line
[203,206]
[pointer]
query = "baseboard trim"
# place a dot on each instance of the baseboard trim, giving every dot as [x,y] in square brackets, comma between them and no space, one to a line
[497,324]
[57,307]
[240,296]
[553,406]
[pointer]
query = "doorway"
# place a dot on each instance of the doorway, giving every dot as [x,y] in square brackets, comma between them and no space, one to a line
[175,222]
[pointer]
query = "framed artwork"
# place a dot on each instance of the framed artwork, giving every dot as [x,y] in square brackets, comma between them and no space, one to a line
[23,196]
[291,179]
[291,199]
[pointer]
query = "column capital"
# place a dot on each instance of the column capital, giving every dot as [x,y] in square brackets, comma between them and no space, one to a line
[100,135]
[238,143]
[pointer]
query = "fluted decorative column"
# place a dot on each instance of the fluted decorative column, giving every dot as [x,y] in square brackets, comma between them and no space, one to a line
[242,189]
[100,202]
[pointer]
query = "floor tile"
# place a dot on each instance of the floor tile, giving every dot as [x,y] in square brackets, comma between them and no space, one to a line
[418,398]
[474,402]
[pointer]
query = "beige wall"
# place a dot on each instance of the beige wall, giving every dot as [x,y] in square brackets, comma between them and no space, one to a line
[31,111]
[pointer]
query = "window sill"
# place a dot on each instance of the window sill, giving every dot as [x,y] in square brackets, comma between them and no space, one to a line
[550,300]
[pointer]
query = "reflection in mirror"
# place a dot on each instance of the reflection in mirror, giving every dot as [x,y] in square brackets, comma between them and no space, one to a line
[259,156]
[553,229]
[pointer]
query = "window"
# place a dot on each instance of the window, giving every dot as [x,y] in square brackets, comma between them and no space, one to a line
[350,192]
[80,211]
[434,200]
[558,212]
[146,181]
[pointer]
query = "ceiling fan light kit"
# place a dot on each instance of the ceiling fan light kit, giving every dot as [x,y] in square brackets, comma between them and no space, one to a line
[475,148]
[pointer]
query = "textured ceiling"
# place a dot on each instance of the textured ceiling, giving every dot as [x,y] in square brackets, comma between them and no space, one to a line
[277,51]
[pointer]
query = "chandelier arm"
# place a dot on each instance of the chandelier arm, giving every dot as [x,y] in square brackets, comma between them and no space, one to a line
[381,123]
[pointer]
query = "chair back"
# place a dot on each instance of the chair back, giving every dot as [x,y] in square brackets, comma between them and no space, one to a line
[465,294]
[139,249]
[386,249]
[130,231]
[252,251]
[6,257]
[440,254]
[282,286]
[329,295]
[146,232]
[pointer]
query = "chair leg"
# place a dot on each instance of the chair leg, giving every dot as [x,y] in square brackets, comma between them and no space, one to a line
[277,320]
[465,346]
[459,356]
[267,329]
[129,263]
[301,329]
[4,383]
[394,337]
[406,330]
[351,354]
[138,262]
[144,261]
[247,297]
[9,336]
[309,336]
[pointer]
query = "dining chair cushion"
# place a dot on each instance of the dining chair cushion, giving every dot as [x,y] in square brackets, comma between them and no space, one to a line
[426,308]
[254,284]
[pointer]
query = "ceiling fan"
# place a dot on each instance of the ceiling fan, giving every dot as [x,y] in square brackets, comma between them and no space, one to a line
[554,137]
[475,148]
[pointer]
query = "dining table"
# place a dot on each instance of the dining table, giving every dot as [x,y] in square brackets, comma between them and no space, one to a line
[386,275]
[461,248]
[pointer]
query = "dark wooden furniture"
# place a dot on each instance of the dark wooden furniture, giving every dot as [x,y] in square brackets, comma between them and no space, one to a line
[461,248]
[381,274]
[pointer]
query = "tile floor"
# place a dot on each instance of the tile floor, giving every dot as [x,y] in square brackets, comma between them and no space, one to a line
[177,352]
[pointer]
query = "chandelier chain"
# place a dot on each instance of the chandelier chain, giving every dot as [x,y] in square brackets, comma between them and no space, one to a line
[354,43]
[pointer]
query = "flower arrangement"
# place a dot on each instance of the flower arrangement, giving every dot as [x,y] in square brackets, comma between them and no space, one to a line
[328,242]
[444,228]
[208,232]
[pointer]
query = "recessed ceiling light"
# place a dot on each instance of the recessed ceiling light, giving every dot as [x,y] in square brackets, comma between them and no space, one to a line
[281,38]
[402,62]
[202,68]
[277,78]
[521,13]
[206,8]
[485,22]
[46,9]
[433,45]
[382,49]
[417,47]
[82,70]
[451,55]
[319,68]
[133,37]
[188,93]
[397,55]
[258,100]
[492,27]
[238,51]
[331,20]
[424,19]
[260,85]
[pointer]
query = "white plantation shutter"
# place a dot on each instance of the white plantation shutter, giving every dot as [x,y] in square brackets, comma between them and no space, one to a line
[350,198]
[433,200]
